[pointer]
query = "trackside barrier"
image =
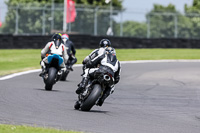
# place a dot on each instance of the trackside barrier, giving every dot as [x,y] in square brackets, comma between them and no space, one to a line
[89,41]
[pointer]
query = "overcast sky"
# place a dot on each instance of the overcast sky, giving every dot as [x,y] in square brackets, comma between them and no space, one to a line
[148,4]
[136,9]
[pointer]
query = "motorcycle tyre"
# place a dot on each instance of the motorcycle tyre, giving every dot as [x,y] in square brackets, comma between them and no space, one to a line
[92,98]
[51,78]
[77,105]
[64,75]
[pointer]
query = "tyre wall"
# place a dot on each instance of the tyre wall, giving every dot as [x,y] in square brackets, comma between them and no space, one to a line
[88,41]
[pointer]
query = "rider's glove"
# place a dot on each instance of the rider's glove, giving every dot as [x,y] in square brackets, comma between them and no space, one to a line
[83,62]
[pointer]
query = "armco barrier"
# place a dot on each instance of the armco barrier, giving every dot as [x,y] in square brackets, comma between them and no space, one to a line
[87,41]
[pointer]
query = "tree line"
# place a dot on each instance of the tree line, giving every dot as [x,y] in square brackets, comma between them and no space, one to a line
[161,21]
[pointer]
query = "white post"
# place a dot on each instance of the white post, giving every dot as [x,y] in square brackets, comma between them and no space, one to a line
[17,20]
[65,16]
[110,29]
[175,26]
[111,12]
[52,15]
[95,20]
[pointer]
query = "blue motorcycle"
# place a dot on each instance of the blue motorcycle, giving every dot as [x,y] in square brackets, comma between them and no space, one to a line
[53,71]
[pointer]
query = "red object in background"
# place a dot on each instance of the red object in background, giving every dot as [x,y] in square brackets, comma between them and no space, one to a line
[0,18]
[71,11]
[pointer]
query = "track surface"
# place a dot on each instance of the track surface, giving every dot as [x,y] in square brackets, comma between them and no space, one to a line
[150,98]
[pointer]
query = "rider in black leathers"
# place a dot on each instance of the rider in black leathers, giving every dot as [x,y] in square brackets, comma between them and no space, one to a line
[101,60]
[70,51]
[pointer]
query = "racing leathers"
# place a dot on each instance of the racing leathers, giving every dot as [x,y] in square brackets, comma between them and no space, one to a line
[101,60]
[71,53]
[51,49]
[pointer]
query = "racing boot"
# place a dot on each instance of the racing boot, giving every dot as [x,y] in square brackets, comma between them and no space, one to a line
[82,85]
[70,68]
[43,68]
[42,73]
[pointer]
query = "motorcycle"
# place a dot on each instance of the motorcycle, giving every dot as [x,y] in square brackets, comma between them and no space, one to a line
[71,60]
[53,72]
[64,75]
[94,91]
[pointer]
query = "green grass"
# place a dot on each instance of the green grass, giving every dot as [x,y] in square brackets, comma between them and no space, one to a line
[20,60]
[28,129]
[17,60]
[157,54]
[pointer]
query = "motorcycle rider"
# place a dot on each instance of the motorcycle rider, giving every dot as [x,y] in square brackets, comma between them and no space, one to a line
[53,47]
[101,60]
[70,51]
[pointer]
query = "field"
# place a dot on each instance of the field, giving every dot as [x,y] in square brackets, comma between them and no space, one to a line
[27,129]
[17,60]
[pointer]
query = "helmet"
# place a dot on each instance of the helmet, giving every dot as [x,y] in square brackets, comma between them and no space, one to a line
[65,36]
[105,43]
[57,39]
[56,36]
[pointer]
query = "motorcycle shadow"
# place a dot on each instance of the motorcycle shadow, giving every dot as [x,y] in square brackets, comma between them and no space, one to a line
[64,80]
[95,111]
[47,90]
[99,111]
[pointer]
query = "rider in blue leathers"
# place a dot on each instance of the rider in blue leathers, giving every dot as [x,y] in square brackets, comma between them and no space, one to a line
[54,47]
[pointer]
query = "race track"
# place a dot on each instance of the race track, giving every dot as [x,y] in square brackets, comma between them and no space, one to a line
[150,98]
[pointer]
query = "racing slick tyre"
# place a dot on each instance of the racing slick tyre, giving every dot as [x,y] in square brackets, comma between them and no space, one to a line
[51,78]
[92,98]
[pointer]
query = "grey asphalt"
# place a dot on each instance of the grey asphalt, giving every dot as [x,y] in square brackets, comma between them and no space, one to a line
[150,98]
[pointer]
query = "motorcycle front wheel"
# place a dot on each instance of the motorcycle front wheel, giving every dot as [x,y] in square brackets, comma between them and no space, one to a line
[92,98]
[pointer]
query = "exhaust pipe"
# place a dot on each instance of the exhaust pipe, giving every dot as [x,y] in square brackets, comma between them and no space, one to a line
[106,78]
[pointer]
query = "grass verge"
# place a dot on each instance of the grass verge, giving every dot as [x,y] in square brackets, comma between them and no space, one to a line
[28,129]
[17,60]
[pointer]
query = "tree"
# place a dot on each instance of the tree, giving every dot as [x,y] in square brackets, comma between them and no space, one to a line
[193,13]
[29,20]
[161,20]
[33,14]
[116,3]
[194,8]
[85,19]
[167,22]
[133,29]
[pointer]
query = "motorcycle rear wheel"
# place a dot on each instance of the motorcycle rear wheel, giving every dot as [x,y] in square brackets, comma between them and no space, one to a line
[51,79]
[92,98]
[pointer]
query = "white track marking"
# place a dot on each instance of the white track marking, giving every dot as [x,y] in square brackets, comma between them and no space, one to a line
[79,65]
